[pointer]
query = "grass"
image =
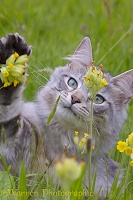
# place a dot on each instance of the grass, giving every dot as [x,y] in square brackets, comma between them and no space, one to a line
[54,29]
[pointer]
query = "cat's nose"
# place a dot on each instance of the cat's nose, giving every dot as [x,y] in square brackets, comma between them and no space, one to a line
[75,99]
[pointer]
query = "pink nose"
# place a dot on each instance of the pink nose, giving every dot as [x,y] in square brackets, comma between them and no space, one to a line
[74,99]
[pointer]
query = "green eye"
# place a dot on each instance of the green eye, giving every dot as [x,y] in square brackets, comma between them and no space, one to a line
[72,83]
[98,99]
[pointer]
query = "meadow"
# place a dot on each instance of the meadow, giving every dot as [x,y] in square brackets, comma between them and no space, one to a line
[54,29]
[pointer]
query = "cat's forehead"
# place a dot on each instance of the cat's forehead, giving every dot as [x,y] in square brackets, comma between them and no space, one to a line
[71,70]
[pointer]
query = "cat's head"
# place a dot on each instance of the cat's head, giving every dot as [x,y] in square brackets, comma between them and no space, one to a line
[73,111]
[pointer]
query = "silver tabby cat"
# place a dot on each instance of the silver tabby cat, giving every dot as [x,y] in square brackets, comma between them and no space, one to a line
[23,140]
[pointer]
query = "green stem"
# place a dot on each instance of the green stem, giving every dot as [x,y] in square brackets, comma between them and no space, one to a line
[90,152]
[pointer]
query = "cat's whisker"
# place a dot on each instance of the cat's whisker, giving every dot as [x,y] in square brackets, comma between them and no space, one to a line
[95,126]
[32,71]
[36,76]
[87,126]
[47,71]
[83,112]
[41,75]
[39,81]
[37,60]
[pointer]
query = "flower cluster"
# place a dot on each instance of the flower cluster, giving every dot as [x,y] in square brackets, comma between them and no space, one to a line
[13,72]
[68,170]
[95,80]
[81,143]
[127,147]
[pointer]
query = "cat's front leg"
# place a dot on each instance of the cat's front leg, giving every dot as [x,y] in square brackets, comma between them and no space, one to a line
[11,102]
[11,97]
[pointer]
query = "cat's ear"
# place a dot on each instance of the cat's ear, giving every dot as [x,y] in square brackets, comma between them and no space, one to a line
[83,53]
[124,82]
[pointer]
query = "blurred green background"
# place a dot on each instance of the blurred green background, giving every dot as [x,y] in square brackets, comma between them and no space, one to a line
[55,28]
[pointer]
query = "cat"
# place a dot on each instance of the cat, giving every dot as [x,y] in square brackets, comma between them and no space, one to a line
[39,145]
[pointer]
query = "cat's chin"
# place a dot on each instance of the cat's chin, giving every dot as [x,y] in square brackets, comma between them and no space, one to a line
[69,118]
[70,110]
[66,114]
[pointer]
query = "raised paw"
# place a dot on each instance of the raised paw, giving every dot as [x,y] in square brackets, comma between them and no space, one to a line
[14,54]
[13,43]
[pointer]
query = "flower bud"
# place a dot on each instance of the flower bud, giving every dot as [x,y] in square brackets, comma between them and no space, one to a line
[68,170]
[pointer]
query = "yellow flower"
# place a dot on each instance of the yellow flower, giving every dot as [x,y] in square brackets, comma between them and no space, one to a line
[20,73]
[4,72]
[82,144]
[16,82]
[94,80]
[76,133]
[68,170]
[128,151]
[83,140]
[13,72]
[76,138]
[92,148]
[16,55]
[86,135]
[11,59]
[129,141]
[131,136]
[131,162]
[6,84]
[22,59]
[104,82]
[127,147]
[10,65]
[121,146]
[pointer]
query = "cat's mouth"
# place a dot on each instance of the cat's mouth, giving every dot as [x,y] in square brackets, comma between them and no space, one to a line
[78,111]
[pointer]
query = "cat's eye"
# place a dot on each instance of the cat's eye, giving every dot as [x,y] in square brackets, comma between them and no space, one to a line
[98,99]
[72,83]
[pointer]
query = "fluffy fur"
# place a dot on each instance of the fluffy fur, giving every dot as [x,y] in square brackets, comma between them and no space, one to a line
[37,145]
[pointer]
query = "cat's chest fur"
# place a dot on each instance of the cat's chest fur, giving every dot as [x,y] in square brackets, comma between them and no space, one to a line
[59,140]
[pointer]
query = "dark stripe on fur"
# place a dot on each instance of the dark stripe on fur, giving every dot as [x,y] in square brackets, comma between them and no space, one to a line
[9,128]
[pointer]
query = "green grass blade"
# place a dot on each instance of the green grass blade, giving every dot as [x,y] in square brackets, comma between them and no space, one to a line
[22,187]
[53,112]
[77,187]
